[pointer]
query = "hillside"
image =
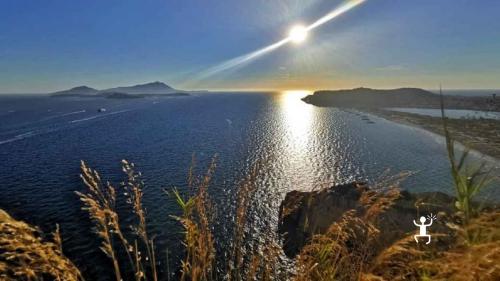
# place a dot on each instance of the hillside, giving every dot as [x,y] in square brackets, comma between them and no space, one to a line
[77,91]
[121,92]
[402,97]
[143,89]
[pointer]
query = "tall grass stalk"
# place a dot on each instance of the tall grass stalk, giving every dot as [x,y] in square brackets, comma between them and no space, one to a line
[198,263]
[469,179]
[100,202]
[245,192]
[133,189]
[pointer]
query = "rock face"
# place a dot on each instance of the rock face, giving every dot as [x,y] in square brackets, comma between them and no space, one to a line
[303,214]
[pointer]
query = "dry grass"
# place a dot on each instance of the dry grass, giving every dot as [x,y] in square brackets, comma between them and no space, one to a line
[198,263]
[133,192]
[394,263]
[460,260]
[483,229]
[476,254]
[477,262]
[381,196]
[327,256]
[26,255]
[236,261]
[346,251]
[197,218]
[99,201]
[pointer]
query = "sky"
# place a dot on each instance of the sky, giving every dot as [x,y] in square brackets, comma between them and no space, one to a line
[57,44]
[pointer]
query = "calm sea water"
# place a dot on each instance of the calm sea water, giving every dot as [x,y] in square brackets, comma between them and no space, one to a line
[470,93]
[295,146]
[450,113]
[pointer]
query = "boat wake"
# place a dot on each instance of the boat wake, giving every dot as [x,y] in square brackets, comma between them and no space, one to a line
[33,133]
[65,114]
[99,116]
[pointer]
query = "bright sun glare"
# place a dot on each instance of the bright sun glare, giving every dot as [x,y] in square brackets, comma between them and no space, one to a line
[298,34]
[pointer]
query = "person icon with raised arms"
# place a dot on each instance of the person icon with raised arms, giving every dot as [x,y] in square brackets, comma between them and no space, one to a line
[423,229]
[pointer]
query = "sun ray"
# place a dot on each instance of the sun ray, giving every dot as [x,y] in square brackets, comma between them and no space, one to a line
[335,13]
[296,36]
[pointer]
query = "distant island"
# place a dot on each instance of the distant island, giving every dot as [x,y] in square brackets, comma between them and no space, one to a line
[153,89]
[478,133]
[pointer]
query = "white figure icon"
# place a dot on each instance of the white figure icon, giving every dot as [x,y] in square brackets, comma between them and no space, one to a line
[423,229]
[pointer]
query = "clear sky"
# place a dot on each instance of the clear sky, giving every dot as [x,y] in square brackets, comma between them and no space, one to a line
[56,44]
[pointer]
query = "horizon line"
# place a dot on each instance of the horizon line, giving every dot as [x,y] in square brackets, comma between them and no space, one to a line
[249,90]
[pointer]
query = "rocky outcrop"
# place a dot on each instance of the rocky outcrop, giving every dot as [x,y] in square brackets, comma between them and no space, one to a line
[303,214]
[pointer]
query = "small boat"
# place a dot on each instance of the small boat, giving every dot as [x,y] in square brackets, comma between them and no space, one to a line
[102,109]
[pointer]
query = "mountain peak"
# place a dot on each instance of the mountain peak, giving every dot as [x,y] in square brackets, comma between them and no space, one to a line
[83,87]
[151,88]
[155,87]
[155,84]
[79,90]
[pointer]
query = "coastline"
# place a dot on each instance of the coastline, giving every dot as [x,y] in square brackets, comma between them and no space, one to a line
[482,135]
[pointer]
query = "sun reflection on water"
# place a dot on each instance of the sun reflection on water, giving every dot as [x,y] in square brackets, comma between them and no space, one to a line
[297,117]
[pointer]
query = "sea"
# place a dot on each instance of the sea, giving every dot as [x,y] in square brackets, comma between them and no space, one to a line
[290,144]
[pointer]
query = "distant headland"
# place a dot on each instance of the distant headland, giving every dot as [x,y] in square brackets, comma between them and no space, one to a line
[401,97]
[480,134]
[152,89]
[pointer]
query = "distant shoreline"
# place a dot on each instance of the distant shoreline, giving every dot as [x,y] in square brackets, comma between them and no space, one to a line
[152,89]
[482,135]
[116,95]
[402,97]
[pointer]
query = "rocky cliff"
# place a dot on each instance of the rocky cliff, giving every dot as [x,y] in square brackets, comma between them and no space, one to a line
[303,214]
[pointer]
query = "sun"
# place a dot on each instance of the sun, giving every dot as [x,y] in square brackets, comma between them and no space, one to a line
[297,34]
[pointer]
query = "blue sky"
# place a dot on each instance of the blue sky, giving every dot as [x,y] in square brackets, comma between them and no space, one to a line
[56,44]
